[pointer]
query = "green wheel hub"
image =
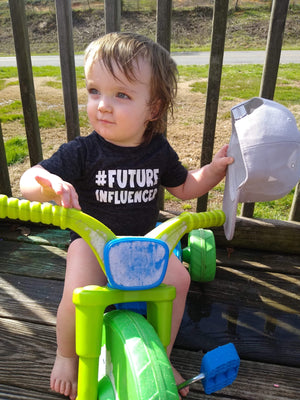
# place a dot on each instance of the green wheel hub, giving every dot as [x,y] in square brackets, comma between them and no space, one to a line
[201,255]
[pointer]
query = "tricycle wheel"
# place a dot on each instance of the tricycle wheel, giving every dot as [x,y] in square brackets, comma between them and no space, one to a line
[201,255]
[134,360]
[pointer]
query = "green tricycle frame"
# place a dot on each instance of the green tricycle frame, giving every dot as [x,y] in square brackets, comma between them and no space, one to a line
[130,347]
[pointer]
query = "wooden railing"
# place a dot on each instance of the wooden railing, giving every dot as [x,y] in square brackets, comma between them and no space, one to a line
[163,36]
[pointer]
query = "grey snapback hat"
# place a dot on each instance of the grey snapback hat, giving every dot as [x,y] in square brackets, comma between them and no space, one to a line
[265,145]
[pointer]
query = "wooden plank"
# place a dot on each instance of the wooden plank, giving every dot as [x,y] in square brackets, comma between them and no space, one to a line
[274,45]
[213,87]
[30,260]
[255,380]
[112,10]
[29,299]
[259,312]
[228,256]
[295,209]
[35,234]
[20,31]
[67,65]
[32,374]
[258,260]
[270,71]
[163,37]
[5,187]
[262,234]
[264,291]
[20,393]
[257,338]
[247,210]
[27,354]
[163,23]
[257,234]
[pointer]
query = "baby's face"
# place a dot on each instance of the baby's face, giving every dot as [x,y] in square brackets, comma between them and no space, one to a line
[118,109]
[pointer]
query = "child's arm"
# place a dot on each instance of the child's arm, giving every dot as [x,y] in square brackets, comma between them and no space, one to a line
[200,181]
[37,184]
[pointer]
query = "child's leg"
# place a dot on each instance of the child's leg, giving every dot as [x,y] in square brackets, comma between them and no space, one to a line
[178,276]
[82,269]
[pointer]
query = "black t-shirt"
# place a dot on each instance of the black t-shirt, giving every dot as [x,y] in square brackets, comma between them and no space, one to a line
[118,185]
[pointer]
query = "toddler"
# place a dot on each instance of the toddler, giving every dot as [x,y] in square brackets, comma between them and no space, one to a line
[114,173]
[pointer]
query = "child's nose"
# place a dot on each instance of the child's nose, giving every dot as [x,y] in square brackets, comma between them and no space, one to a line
[104,104]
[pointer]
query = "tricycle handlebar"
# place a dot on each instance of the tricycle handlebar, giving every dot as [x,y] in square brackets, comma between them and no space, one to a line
[97,234]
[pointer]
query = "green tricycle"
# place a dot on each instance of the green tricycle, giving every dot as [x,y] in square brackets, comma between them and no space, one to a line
[121,353]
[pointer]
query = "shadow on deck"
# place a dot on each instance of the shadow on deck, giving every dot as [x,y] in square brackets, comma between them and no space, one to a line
[254,302]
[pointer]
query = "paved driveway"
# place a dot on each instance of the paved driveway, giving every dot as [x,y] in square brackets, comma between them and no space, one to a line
[197,58]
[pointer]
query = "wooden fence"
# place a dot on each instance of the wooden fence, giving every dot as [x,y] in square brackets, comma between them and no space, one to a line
[163,36]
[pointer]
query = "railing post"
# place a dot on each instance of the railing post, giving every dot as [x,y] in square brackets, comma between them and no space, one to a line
[213,87]
[274,45]
[270,71]
[67,65]
[163,37]
[20,31]
[295,209]
[4,175]
[112,9]
[163,23]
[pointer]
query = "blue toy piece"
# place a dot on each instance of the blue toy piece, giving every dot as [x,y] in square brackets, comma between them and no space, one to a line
[135,263]
[178,251]
[219,368]
[125,271]
[138,307]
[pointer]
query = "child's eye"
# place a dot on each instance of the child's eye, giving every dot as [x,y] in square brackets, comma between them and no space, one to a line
[122,95]
[93,91]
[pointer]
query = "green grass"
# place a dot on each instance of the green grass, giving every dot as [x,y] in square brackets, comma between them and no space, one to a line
[243,81]
[276,209]
[11,112]
[51,119]
[16,150]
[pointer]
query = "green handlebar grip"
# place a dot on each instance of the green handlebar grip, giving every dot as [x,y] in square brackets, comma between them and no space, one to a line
[91,230]
[171,231]
[97,234]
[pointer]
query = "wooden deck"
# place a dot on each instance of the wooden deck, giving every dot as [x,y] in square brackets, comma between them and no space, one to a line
[254,302]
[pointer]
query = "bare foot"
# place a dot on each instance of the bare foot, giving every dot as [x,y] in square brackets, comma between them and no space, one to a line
[179,379]
[64,376]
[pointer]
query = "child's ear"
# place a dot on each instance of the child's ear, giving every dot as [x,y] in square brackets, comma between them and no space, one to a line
[155,110]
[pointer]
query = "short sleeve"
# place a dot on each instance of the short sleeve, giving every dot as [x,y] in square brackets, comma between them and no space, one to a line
[67,162]
[174,173]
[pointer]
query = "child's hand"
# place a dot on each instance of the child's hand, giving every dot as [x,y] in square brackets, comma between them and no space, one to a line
[220,162]
[202,180]
[62,192]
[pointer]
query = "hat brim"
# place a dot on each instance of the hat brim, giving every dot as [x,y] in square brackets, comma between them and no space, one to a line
[236,176]
[230,210]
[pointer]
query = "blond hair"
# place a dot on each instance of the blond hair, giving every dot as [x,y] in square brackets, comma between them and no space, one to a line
[124,50]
